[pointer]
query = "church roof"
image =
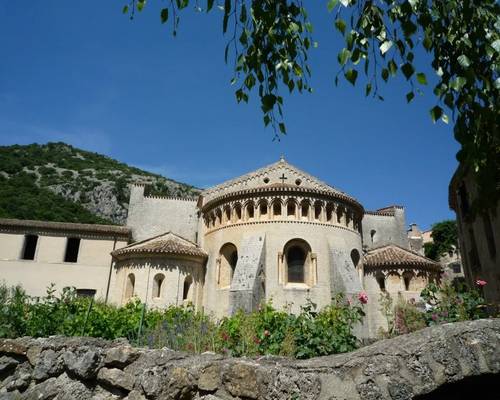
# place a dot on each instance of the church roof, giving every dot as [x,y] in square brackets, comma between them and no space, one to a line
[280,174]
[165,244]
[392,255]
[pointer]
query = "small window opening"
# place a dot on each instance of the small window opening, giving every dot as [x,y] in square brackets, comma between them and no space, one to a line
[329,212]
[85,292]
[296,259]
[227,213]
[250,210]
[290,209]
[186,295]
[30,242]
[457,268]
[305,210]
[407,280]
[72,248]
[263,209]
[129,289]
[372,234]
[157,285]
[317,211]
[277,209]
[237,210]
[381,283]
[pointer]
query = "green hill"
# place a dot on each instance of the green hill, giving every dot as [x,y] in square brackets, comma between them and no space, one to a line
[58,182]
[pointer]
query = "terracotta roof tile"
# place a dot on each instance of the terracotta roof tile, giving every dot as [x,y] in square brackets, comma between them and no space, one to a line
[396,256]
[165,244]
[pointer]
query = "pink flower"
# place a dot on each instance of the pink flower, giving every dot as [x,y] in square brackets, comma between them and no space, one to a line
[363,297]
[481,283]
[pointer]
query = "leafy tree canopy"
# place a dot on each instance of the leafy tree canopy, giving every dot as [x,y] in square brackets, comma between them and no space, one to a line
[444,239]
[269,41]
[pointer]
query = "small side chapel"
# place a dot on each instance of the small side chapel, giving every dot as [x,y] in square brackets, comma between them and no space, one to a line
[275,233]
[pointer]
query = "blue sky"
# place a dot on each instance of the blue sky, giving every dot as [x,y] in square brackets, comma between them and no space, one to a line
[83,73]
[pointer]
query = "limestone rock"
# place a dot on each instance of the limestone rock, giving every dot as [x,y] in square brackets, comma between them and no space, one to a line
[209,379]
[84,366]
[120,357]
[241,380]
[6,364]
[115,377]
[49,363]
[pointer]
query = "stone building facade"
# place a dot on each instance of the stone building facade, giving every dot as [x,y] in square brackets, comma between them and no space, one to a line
[479,235]
[276,234]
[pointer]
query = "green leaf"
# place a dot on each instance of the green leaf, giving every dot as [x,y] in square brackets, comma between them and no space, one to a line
[309,27]
[410,96]
[384,47]
[408,70]
[268,102]
[351,75]
[496,45]
[368,89]
[225,20]
[141,4]
[385,74]
[331,5]
[436,113]
[340,25]
[444,118]
[164,15]
[393,68]
[464,61]
[210,4]
[282,128]
[421,78]
[125,9]
[343,56]
[267,119]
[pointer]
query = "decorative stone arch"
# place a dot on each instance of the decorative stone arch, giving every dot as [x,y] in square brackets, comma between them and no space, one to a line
[380,278]
[340,214]
[129,287]
[298,264]
[188,290]
[276,208]
[355,257]
[249,210]
[226,264]
[263,209]
[329,212]
[227,214]
[157,286]
[291,208]
[420,281]
[305,210]
[318,210]
[237,212]
[408,280]
[218,217]
[393,282]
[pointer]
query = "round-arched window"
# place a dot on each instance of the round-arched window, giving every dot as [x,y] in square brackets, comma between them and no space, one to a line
[157,285]
[296,259]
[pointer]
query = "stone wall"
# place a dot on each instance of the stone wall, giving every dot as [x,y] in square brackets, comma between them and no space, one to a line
[400,368]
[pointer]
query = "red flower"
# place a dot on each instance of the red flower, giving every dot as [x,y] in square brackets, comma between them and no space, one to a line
[363,297]
[481,283]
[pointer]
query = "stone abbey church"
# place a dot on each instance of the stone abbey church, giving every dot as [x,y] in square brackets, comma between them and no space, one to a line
[276,234]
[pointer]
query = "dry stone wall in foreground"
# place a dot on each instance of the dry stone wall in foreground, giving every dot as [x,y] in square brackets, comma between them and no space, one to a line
[400,368]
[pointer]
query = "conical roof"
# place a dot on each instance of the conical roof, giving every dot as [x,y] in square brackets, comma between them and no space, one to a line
[165,244]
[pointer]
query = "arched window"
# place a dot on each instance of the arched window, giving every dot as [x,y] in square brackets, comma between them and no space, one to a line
[355,257]
[340,213]
[129,288]
[157,285]
[263,208]
[329,212]
[381,281]
[187,292]
[372,235]
[237,212]
[277,209]
[317,210]
[218,214]
[290,208]
[298,262]
[212,219]
[227,214]
[304,209]
[393,283]
[296,259]
[407,279]
[228,258]
[250,207]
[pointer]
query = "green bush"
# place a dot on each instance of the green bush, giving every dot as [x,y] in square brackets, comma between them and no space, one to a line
[264,331]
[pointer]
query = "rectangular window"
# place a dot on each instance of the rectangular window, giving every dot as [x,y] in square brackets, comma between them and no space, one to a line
[72,248]
[85,292]
[29,250]
[457,268]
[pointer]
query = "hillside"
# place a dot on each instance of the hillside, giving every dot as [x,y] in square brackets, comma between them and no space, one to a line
[58,182]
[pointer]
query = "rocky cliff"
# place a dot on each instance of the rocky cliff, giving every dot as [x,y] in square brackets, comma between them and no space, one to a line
[59,182]
[459,357]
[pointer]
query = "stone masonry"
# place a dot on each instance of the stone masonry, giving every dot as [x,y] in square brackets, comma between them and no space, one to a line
[400,368]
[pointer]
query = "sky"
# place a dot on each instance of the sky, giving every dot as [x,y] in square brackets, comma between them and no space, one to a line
[82,72]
